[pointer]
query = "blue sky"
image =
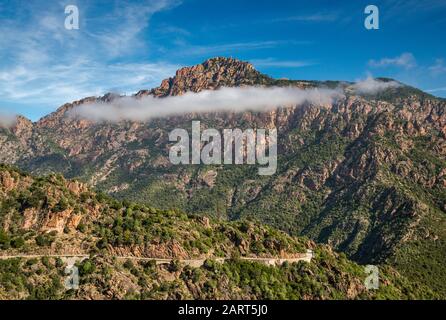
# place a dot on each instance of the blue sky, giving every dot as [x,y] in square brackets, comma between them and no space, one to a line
[125,46]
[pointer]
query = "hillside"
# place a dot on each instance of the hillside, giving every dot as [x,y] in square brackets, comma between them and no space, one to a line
[365,175]
[49,216]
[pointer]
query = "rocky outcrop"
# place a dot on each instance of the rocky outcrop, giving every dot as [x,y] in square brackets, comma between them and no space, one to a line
[212,74]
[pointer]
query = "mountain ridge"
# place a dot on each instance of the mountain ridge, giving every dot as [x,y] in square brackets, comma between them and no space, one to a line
[366,174]
[219,68]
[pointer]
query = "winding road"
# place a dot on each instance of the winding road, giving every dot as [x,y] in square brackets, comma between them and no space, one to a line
[190,262]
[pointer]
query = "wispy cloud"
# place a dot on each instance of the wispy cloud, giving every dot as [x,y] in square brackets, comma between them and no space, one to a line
[438,68]
[395,7]
[222,100]
[405,60]
[436,89]
[173,30]
[42,62]
[316,17]
[227,48]
[57,84]
[271,62]
[119,33]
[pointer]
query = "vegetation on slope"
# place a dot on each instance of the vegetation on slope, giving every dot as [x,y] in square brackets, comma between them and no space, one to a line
[109,228]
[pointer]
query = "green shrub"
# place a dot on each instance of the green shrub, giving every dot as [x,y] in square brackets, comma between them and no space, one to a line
[87,267]
[46,239]
[17,242]
[5,241]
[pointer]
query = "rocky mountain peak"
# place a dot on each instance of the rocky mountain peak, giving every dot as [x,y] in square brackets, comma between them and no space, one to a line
[211,74]
[22,126]
[221,63]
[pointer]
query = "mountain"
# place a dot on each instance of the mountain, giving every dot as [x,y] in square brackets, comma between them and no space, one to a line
[365,174]
[44,219]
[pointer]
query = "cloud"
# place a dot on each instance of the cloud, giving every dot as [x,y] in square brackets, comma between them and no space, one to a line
[120,33]
[436,89]
[405,60]
[7,120]
[438,68]
[373,86]
[172,30]
[223,100]
[59,83]
[211,49]
[316,17]
[43,63]
[412,7]
[228,48]
[270,62]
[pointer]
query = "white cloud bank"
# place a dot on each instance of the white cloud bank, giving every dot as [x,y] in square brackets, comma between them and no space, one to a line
[373,86]
[223,100]
[233,99]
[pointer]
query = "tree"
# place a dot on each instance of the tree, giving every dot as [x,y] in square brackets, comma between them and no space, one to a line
[62,205]
[17,242]
[4,240]
[86,268]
